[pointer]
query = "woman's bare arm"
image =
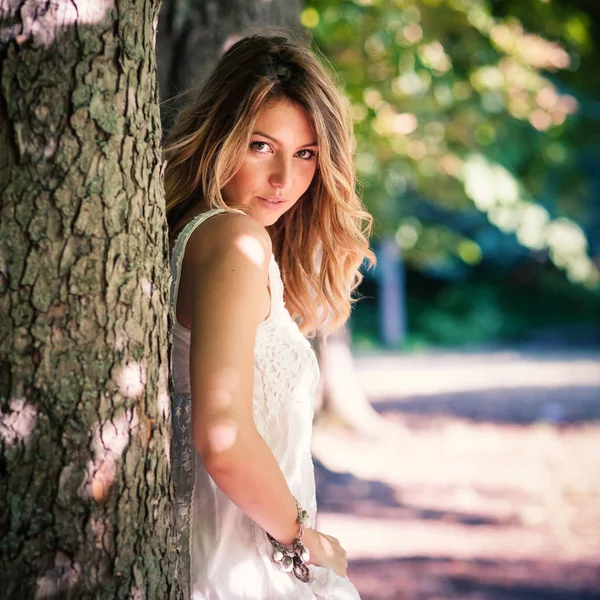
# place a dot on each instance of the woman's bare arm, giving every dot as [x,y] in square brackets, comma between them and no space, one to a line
[229,267]
[230,276]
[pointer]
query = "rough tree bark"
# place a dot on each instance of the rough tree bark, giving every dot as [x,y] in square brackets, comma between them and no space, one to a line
[85,491]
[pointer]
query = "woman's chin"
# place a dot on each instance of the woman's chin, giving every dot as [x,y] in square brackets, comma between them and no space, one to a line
[266,214]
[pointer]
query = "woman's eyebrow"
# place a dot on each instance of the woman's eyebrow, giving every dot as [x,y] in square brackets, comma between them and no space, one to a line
[270,137]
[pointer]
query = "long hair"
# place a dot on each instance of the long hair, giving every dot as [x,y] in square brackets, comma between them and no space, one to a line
[321,242]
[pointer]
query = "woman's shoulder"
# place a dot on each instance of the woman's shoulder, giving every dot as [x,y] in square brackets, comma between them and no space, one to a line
[225,233]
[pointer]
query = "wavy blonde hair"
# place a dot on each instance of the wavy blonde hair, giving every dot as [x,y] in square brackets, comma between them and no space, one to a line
[322,241]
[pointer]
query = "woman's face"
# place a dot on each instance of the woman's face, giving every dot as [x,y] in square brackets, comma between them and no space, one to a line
[279,164]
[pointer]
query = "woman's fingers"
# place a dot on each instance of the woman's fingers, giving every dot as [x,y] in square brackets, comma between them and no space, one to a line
[326,551]
[335,543]
[341,558]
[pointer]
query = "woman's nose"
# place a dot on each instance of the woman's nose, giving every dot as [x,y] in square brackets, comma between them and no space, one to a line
[281,175]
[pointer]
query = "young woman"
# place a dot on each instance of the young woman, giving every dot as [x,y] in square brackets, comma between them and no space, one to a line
[267,238]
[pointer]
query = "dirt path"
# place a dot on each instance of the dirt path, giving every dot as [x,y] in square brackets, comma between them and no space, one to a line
[483,482]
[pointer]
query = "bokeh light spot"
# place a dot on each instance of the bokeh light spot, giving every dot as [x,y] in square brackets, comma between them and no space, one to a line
[309,17]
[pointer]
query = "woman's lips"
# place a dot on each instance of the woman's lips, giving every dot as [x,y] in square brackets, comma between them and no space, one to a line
[273,199]
[271,202]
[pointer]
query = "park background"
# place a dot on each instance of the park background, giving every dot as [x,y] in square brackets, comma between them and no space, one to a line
[477,126]
[456,445]
[457,425]
[477,130]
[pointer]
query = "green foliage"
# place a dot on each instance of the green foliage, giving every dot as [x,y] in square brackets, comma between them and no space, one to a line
[534,303]
[469,109]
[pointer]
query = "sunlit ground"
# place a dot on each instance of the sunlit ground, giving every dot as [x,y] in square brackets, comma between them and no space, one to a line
[483,483]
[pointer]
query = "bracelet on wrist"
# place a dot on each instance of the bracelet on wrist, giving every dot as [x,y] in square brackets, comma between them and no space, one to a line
[293,557]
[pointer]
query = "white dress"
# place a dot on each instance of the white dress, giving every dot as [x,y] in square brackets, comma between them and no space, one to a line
[224,554]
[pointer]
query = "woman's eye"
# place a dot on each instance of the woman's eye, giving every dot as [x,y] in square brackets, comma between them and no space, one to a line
[306,154]
[259,146]
[264,148]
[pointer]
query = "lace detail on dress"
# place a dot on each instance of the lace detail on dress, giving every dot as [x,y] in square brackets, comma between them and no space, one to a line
[283,356]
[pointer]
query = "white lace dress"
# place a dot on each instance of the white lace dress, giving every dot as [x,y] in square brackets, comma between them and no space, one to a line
[224,554]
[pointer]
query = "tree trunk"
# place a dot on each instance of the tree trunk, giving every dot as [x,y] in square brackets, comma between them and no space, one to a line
[340,397]
[391,294]
[192,36]
[85,489]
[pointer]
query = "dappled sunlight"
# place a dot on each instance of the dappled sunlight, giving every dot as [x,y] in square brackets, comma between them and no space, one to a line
[533,220]
[43,20]
[121,340]
[163,401]
[417,149]
[17,424]
[221,435]
[101,480]
[101,477]
[407,233]
[146,287]
[113,435]
[109,440]
[98,527]
[218,399]
[136,593]
[59,579]
[130,379]
[251,248]
[219,393]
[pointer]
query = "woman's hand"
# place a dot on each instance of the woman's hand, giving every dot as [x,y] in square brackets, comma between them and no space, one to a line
[325,551]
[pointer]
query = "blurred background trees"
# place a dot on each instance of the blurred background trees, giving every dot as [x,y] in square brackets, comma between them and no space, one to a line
[477,150]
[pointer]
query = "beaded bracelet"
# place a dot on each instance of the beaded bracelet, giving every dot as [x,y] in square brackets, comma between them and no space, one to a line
[293,557]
